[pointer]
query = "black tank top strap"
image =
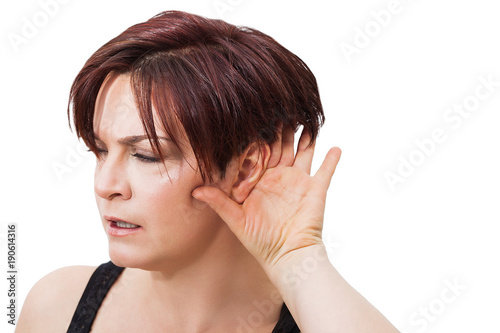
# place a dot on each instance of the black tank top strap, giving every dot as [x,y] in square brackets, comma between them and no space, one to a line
[98,286]
[286,323]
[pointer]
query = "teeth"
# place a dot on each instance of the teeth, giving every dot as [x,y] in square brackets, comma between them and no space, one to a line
[122,224]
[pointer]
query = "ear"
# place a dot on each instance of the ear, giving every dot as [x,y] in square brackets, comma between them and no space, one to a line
[252,165]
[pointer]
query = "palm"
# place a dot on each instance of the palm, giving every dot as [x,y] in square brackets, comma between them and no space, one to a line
[284,211]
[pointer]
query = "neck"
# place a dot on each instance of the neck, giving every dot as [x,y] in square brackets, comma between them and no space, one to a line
[226,285]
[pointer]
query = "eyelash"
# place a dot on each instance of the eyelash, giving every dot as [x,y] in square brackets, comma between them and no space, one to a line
[142,158]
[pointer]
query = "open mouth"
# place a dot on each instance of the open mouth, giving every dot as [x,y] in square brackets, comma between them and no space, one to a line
[126,225]
[116,222]
[116,227]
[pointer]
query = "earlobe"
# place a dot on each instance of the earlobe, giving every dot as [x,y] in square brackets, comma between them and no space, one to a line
[252,165]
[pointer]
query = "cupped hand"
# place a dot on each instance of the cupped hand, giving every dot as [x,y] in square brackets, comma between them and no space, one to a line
[284,211]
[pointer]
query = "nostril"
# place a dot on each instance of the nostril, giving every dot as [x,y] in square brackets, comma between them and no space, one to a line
[110,183]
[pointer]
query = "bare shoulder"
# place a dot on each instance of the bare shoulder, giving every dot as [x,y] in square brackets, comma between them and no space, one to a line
[51,302]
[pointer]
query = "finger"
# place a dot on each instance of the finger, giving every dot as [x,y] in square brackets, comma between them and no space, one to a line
[304,156]
[225,207]
[327,168]
[287,146]
[276,150]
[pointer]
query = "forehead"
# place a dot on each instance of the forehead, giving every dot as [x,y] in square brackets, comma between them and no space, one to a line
[117,115]
[115,109]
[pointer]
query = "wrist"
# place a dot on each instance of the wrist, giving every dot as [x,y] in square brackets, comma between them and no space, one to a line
[298,266]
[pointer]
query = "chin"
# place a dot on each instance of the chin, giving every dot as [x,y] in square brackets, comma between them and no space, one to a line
[124,256]
[119,259]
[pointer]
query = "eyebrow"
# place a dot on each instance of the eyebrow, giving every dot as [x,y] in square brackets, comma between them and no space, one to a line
[130,140]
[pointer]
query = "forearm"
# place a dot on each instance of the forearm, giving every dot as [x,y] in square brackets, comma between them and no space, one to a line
[320,300]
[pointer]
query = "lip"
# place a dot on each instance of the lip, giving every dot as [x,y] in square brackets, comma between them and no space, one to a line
[112,218]
[113,230]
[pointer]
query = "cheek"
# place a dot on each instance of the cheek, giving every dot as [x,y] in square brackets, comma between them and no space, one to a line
[169,199]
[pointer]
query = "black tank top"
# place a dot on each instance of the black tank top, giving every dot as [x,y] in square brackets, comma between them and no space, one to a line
[101,281]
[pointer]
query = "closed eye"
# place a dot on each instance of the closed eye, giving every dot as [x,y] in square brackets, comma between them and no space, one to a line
[99,151]
[146,159]
[142,158]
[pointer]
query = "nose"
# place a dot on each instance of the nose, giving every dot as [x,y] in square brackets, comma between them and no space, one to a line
[111,179]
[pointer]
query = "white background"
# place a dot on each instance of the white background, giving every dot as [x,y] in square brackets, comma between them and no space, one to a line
[401,247]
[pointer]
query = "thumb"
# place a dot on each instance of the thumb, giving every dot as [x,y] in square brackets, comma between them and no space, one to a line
[225,207]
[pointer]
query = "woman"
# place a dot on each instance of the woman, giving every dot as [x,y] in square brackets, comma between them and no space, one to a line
[213,221]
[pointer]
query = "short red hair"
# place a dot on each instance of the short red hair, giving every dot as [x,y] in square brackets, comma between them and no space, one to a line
[228,86]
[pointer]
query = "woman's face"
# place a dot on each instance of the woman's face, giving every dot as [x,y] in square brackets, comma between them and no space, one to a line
[132,185]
